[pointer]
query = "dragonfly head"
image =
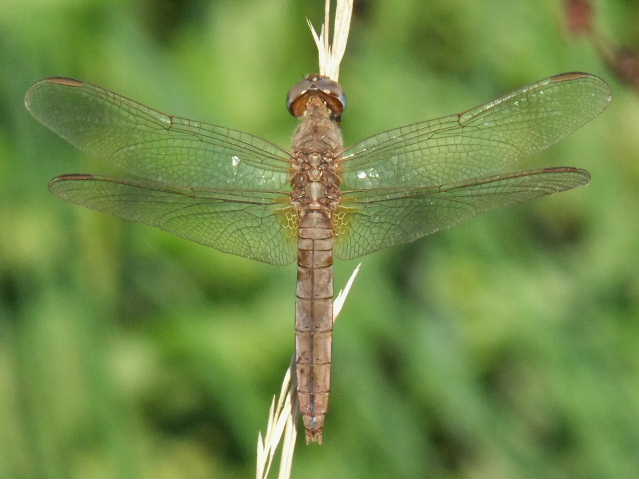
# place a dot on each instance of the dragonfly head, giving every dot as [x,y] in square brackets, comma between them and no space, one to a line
[315,85]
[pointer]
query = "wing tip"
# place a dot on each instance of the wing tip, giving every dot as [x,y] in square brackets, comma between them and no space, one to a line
[585,175]
[571,76]
[65,81]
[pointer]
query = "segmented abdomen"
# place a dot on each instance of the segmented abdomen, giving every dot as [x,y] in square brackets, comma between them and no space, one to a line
[314,320]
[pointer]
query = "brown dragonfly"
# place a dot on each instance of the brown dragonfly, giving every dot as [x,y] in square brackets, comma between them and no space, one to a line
[243,195]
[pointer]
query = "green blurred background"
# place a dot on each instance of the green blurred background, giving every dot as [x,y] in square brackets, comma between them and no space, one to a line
[504,347]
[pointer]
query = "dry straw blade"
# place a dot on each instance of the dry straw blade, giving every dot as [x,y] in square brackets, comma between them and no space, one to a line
[281,422]
[331,53]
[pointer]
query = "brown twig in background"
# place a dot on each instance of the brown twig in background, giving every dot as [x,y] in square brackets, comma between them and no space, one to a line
[623,61]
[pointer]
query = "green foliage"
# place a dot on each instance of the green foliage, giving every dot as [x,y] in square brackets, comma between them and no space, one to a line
[506,346]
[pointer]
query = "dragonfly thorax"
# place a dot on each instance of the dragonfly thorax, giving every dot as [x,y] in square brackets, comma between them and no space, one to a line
[317,146]
[315,192]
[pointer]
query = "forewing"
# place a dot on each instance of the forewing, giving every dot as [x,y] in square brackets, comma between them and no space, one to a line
[482,141]
[152,145]
[371,220]
[258,226]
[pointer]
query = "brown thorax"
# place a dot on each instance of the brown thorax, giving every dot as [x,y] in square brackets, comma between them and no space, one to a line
[318,102]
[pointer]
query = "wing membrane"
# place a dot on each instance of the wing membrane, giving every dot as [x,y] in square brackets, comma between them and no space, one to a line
[152,145]
[251,224]
[370,220]
[482,141]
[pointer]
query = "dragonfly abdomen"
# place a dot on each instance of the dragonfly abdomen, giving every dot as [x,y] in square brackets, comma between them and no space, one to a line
[314,320]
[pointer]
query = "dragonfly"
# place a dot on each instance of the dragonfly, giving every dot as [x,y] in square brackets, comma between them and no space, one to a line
[246,196]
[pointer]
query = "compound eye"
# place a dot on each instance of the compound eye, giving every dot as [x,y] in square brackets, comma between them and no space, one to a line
[329,90]
[293,100]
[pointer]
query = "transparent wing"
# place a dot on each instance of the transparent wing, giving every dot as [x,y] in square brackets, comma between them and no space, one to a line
[482,141]
[370,220]
[152,145]
[251,224]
